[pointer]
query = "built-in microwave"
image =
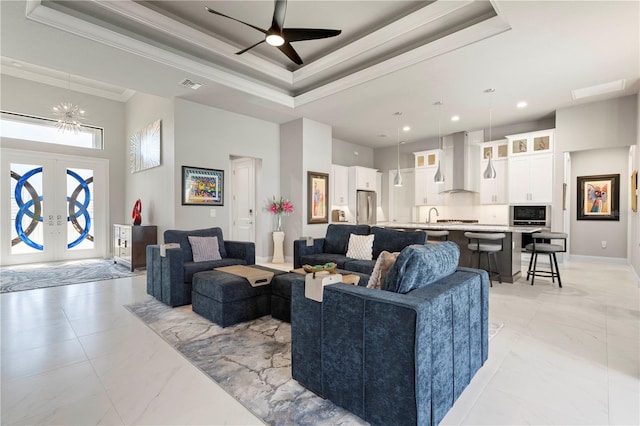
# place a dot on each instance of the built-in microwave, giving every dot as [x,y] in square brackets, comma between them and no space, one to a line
[530,216]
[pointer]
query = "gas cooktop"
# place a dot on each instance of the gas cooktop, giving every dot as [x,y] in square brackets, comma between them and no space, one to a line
[457,221]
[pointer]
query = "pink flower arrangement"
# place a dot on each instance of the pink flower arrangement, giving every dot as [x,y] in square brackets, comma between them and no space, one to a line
[281,206]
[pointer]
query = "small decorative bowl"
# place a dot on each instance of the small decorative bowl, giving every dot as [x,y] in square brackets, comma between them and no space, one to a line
[329,267]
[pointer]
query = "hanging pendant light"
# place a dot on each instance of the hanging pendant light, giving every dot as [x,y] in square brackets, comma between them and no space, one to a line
[397,179]
[439,176]
[490,171]
[68,114]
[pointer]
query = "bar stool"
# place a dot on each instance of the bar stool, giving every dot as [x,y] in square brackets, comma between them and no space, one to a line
[485,242]
[542,243]
[437,236]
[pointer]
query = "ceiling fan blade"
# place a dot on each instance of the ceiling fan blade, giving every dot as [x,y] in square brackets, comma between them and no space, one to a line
[234,19]
[279,12]
[249,48]
[299,34]
[291,53]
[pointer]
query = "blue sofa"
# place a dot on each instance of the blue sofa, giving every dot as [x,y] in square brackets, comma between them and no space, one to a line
[333,247]
[169,278]
[399,356]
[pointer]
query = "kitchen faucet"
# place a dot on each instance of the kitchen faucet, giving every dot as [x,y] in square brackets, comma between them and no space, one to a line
[430,210]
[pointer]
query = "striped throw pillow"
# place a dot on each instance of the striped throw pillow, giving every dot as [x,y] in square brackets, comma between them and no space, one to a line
[204,248]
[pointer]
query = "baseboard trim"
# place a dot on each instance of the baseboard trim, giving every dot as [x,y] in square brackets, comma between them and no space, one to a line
[598,259]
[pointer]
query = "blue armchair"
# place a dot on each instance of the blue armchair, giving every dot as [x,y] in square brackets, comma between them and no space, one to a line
[400,356]
[169,277]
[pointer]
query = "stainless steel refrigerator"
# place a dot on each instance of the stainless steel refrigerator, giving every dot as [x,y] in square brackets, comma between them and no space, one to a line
[366,207]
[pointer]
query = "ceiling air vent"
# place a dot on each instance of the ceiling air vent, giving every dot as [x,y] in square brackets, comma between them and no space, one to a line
[190,84]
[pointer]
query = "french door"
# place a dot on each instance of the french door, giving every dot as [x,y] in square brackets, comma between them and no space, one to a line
[53,207]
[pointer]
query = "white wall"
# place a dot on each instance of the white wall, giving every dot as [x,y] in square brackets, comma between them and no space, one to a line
[293,180]
[587,235]
[598,136]
[305,146]
[349,154]
[208,137]
[28,97]
[154,187]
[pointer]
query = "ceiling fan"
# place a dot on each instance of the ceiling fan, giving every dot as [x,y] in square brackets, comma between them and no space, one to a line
[283,37]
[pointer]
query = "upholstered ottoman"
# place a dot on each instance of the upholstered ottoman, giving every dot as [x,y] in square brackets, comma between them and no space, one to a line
[281,292]
[228,299]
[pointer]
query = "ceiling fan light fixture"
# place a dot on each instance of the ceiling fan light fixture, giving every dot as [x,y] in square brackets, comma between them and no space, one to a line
[274,40]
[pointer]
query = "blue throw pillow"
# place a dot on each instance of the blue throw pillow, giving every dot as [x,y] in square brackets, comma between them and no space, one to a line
[420,265]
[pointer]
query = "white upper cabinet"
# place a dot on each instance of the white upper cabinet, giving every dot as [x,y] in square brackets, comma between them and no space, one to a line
[363,178]
[340,185]
[426,190]
[494,191]
[540,142]
[531,167]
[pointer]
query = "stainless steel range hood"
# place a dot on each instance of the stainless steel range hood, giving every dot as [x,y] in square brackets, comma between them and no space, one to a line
[461,163]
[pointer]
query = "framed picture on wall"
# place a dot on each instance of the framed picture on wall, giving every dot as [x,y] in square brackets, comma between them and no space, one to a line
[144,148]
[202,187]
[599,197]
[317,197]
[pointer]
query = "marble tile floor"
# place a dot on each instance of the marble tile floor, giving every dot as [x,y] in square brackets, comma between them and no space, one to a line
[75,355]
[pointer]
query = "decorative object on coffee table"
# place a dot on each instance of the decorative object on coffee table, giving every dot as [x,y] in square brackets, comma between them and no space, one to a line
[329,267]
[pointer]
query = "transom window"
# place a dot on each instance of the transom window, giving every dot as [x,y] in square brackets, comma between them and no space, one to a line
[38,129]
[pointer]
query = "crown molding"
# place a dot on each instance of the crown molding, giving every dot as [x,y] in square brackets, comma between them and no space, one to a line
[480,31]
[45,15]
[165,24]
[122,95]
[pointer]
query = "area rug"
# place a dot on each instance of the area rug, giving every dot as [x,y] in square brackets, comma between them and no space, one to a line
[32,276]
[251,361]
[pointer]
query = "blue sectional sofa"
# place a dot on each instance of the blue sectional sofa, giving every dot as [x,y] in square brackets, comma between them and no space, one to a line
[401,355]
[333,247]
[169,278]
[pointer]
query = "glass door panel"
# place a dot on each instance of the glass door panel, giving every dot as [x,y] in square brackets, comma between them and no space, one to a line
[27,202]
[80,209]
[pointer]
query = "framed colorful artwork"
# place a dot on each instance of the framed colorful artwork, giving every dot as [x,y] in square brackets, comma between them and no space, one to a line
[202,187]
[599,197]
[317,197]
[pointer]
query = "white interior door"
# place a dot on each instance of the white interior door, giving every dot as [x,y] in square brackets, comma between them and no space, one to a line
[243,205]
[52,208]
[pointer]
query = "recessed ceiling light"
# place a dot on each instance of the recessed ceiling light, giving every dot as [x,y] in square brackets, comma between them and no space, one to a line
[455,118]
[16,64]
[406,128]
[599,89]
[522,104]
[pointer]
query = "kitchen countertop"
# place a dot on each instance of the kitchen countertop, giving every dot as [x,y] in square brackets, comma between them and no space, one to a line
[477,227]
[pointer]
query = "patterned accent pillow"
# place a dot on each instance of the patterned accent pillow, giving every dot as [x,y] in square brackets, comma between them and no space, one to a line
[383,264]
[360,247]
[204,248]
